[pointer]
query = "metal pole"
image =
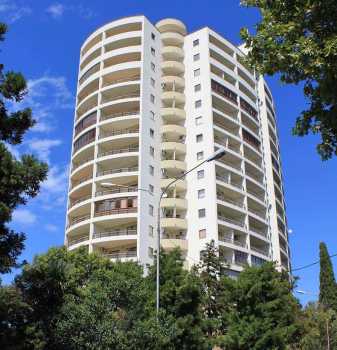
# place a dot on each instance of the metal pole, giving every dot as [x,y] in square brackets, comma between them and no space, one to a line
[159,230]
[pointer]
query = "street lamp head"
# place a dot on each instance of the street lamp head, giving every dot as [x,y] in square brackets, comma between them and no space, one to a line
[217,155]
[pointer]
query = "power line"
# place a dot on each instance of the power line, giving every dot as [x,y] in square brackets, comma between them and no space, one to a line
[312,264]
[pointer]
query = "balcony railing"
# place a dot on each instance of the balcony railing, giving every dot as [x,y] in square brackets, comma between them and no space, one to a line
[117,190]
[227,180]
[114,233]
[79,200]
[77,240]
[225,199]
[78,182]
[120,97]
[231,221]
[260,251]
[78,164]
[120,255]
[258,213]
[258,232]
[78,219]
[232,241]
[227,145]
[123,80]
[116,171]
[118,151]
[121,114]
[105,134]
[261,196]
[116,211]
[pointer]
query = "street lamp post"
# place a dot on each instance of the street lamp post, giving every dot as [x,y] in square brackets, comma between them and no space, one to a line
[216,155]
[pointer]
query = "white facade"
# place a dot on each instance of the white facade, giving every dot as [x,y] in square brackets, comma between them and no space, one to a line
[153,102]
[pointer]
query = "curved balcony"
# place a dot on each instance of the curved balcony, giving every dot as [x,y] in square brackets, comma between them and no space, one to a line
[177,147]
[172,68]
[178,203]
[118,151]
[171,25]
[173,130]
[170,96]
[79,200]
[171,81]
[118,211]
[173,115]
[180,185]
[176,165]
[171,243]
[172,53]
[173,223]
[77,219]
[172,39]
[116,171]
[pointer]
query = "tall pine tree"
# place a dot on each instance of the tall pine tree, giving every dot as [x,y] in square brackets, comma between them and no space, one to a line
[327,282]
[19,178]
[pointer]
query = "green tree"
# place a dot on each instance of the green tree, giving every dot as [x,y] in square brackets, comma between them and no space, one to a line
[262,312]
[319,324]
[327,282]
[215,298]
[298,40]
[180,302]
[19,179]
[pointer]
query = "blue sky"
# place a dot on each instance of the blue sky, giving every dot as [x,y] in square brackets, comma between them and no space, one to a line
[43,42]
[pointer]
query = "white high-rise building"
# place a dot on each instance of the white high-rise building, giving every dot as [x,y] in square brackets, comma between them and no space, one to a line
[153,102]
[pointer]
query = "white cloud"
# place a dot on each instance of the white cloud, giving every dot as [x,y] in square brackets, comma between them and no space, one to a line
[13,11]
[56,10]
[51,228]
[42,147]
[46,95]
[54,189]
[24,216]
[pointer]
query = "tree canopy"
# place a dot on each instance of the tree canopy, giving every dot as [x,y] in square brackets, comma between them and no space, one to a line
[298,40]
[19,178]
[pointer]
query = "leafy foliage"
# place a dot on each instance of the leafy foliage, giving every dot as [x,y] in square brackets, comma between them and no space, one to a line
[19,179]
[298,39]
[75,300]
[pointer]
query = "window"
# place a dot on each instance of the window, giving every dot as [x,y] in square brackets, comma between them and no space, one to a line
[151,169]
[196,72]
[153,51]
[153,82]
[197,104]
[199,138]
[151,231]
[151,133]
[153,66]
[151,151]
[196,57]
[197,87]
[152,115]
[150,252]
[151,188]
[202,233]
[153,36]
[200,174]
[198,120]
[196,42]
[151,209]
[201,193]
[152,98]
[202,213]
[200,155]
